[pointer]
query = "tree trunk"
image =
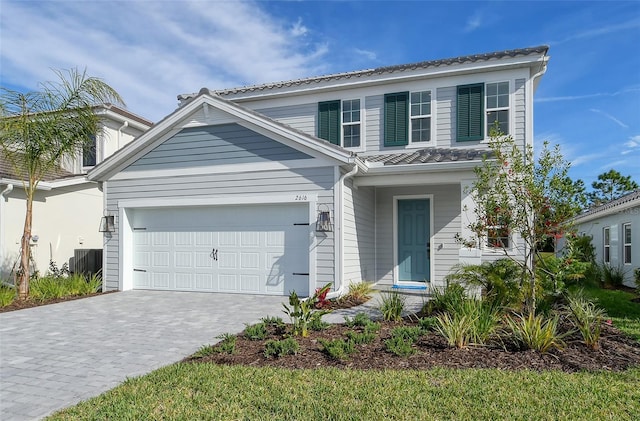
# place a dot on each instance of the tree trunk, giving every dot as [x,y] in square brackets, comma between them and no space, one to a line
[25,252]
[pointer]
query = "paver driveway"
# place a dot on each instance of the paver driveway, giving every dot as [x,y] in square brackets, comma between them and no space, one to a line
[54,356]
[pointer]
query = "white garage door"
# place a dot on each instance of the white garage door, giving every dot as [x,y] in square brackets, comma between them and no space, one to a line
[256,249]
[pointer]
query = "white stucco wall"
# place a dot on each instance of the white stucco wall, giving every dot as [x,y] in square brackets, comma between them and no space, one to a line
[64,219]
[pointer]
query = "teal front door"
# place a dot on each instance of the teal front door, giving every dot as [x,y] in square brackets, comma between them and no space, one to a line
[413,240]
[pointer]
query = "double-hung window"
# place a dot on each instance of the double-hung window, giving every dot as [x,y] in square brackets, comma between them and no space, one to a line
[626,235]
[339,122]
[474,102]
[420,116]
[606,244]
[498,106]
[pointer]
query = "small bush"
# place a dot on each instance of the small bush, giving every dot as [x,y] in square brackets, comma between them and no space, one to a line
[48,287]
[410,333]
[455,329]
[226,346]
[360,291]
[392,306]
[338,349]
[275,323]
[636,277]
[79,285]
[7,295]
[399,346]
[372,327]
[256,332]
[316,323]
[427,323]
[204,351]
[587,318]
[359,338]
[360,319]
[612,275]
[273,348]
[447,299]
[534,332]
[468,322]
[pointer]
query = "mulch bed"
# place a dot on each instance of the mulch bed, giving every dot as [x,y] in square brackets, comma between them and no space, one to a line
[29,303]
[617,353]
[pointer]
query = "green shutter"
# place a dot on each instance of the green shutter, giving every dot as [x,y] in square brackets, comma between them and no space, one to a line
[470,105]
[329,121]
[396,119]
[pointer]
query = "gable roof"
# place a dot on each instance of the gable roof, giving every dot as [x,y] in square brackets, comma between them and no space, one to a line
[130,152]
[521,52]
[615,206]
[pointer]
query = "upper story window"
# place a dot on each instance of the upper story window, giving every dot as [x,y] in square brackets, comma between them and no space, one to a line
[351,123]
[339,122]
[403,110]
[606,245]
[421,116]
[89,153]
[626,234]
[498,106]
[472,101]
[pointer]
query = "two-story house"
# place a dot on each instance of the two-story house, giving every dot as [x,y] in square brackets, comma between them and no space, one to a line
[287,186]
[67,208]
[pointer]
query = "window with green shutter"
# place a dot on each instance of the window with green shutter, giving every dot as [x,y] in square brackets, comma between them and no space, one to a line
[329,121]
[396,119]
[470,105]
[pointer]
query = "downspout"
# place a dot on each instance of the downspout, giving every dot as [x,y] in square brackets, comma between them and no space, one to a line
[3,194]
[340,291]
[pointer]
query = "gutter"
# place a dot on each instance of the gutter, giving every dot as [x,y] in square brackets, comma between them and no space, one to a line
[340,291]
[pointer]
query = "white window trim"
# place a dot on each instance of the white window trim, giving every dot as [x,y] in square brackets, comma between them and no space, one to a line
[606,245]
[431,121]
[362,146]
[625,244]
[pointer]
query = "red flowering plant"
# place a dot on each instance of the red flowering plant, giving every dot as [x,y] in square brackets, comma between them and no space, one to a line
[321,296]
[521,202]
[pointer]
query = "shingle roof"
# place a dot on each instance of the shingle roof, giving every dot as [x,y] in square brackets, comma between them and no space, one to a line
[542,49]
[7,170]
[427,155]
[634,196]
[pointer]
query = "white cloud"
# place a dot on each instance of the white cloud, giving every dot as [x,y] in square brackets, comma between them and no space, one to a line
[630,89]
[369,55]
[598,32]
[473,22]
[152,51]
[610,117]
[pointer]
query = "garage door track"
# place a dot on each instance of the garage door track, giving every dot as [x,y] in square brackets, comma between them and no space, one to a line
[54,356]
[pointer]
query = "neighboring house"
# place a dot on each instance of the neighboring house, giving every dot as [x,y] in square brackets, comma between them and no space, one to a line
[341,178]
[615,232]
[67,207]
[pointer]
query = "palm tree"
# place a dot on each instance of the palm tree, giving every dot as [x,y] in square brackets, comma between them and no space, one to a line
[39,129]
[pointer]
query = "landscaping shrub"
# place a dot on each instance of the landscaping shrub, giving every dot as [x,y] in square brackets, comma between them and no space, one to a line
[359,338]
[302,311]
[535,332]
[636,276]
[273,348]
[316,323]
[338,349]
[392,306]
[399,346]
[587,318]
[499,280]
[427,323]
[7,295]
[360,319]
[275,323]
[410,333]
[469,321]
[372,327]
[447,299]
[612,276]
[256,332]
[48,287]
[456,329]
[360,291]
[226,346]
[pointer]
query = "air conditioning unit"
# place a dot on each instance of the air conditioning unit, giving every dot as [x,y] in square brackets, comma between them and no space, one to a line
[87,261]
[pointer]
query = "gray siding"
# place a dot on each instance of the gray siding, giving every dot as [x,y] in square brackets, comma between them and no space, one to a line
[359,233]
[373,123]
[446,117]
[446,223]
[301,117]
[615,223]
[520,115]
[307,180]
[215,145]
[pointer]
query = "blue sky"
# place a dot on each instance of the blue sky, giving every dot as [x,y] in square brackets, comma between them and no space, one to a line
[151,51]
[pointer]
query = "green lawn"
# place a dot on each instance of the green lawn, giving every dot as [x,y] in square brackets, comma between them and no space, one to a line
[206,391]
[624,314]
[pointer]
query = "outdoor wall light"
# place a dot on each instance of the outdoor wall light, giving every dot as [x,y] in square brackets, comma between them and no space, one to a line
[107,224]
[323,224]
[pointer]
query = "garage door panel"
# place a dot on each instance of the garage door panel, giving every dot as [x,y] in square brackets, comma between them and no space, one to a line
[242,255]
